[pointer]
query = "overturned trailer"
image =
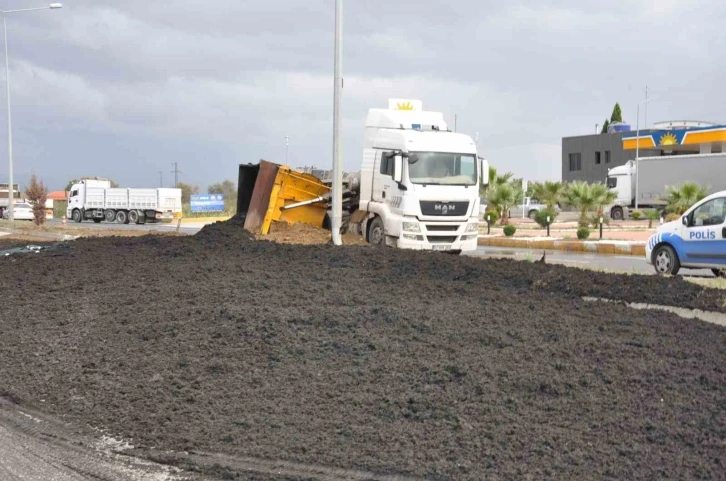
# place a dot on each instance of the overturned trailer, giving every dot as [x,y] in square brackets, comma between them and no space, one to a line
[269,192]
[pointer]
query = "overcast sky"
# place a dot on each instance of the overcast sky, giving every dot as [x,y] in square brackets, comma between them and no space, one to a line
[124,88]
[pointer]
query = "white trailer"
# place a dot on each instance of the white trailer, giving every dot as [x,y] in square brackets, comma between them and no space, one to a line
[657,173]
[419,182]
[96,200]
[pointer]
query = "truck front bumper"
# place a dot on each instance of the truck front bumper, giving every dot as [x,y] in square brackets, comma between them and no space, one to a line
[463,242]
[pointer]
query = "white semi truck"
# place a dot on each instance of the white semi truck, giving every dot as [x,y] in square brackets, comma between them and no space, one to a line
[419,182]
[656,173]
[95,199]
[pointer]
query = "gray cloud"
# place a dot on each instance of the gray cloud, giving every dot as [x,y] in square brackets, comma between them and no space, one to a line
[125,88]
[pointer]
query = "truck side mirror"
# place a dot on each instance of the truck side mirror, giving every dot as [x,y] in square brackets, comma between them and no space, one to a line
[484,171]
[398,169]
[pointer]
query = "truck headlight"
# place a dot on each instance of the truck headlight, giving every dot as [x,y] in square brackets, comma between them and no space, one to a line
[411,227]
[472,227]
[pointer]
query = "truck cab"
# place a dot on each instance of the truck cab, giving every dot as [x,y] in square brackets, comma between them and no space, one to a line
[620,180]
[419,181]
[697,240]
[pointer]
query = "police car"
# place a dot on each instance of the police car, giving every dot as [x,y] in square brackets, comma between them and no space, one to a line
[696,241]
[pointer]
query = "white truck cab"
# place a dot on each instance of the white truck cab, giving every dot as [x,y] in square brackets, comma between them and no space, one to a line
[419,181]
[696,241]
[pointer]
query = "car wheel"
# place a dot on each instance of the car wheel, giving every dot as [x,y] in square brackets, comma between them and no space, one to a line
[616,213]
[121,217]
[719,272]
[76,216]
[532,214]
[665,261]
[376,232]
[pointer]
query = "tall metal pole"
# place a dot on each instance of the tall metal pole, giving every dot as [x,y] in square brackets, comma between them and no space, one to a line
[337,219]
[11,189]
[645,114]
[637,154]
[287,150]
[161,178]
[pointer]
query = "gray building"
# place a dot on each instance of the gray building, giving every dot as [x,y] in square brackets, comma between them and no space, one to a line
[588,157]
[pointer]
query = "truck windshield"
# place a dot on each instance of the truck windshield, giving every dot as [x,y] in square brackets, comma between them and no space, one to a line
[612,182]
[439,168]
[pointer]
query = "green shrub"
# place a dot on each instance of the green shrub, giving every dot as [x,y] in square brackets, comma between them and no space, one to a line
[509,230]
[583,233]
[493,216]
[637,215]
[595,221]
[541,217]
[671,217]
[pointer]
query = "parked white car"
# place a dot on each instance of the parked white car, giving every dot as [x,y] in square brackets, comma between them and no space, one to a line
[531,207]
[695,241]
[21,211]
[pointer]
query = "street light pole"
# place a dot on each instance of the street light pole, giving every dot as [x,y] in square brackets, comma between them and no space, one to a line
[337,199]
[287,150]
[11,189]
[637,151]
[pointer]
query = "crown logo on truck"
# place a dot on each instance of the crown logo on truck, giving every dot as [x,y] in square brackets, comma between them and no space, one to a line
[404,106]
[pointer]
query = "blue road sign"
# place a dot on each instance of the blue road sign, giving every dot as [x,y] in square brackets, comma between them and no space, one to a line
[207,203]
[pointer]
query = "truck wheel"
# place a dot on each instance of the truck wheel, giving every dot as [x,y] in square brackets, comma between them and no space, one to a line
[110,215]
[76,216]
[616,213]
[376,232]
[133,217]
[532,214]
[665,261]
[719,272]
[121,217]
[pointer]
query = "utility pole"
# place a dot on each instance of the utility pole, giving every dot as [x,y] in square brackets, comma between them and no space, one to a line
[161,178]
[176,173]
[596,126]
[337,197]
[287,150]
[456,120]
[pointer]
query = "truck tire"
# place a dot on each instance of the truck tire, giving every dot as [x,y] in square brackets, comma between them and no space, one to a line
[719,272]
[532,214]
[76,216]
[133,217]
[665,261]
[110,215]
[376,232]
[616,213]
[122,217]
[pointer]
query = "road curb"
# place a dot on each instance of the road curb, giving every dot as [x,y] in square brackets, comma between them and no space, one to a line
[599,247]
[210,220]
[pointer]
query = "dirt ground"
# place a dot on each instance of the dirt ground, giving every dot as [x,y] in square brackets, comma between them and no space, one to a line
[363,361]
[304,234]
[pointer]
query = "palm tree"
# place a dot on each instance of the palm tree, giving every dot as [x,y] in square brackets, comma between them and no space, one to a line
[651,215]
[504,197]
[549,193]
[680,198]
[604,196]
[585,197]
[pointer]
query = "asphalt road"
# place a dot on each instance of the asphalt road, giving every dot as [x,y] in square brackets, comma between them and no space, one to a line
[614,263]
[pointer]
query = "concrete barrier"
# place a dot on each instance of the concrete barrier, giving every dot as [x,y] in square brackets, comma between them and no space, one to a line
[599,247]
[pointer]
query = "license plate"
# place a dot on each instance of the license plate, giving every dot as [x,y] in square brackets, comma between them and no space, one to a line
[442,248]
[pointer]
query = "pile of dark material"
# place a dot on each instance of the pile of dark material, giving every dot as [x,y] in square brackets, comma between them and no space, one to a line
[392,362]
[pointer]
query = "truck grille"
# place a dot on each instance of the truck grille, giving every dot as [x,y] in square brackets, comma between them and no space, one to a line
[448,209]
[441,228]
[441,239]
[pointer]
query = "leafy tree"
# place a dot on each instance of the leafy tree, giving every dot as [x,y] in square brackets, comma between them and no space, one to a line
[37,194]
[75,181]
[680,198]
[617,115]
[187,191]
[586,197]
[605,126]
[549,193]
[504,197]
[651,215]
[229,190]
